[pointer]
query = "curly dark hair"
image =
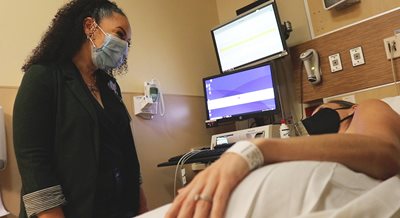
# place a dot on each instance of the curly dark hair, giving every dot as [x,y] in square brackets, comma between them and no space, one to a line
[65,35]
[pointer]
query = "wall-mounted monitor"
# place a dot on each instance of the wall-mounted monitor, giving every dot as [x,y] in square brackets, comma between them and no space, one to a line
[253,36]
[241,94]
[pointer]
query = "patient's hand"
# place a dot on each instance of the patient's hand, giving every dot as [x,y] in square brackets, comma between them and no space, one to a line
[208,194]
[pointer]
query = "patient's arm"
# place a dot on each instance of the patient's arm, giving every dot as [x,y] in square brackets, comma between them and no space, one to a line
[367,154]
[370,145]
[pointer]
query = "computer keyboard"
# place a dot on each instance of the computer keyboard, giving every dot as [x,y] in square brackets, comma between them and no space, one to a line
[203,153]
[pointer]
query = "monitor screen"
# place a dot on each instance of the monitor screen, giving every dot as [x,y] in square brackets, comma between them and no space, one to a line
[253,36]
[241,94]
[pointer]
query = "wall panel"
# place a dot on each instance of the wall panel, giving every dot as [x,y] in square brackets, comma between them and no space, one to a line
[377,70]
[323,21]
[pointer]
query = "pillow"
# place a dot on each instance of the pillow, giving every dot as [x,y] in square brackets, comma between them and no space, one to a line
[393,102]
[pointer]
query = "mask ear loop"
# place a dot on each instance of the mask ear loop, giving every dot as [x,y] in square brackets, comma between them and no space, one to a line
[341,108]
[101,29]
[94,29]
[348,117]
[90,39]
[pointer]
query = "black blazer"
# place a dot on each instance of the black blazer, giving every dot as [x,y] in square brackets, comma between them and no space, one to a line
[56,136]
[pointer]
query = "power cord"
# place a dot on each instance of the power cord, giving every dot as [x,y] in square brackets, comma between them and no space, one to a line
[393,47]
[301,90]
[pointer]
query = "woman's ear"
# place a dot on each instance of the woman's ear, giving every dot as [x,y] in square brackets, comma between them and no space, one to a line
[89,26]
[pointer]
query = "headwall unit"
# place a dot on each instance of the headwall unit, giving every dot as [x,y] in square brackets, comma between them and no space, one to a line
[377,68]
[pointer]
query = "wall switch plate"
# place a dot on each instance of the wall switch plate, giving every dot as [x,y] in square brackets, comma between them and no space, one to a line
[392,45]
[335,63]
[357,56]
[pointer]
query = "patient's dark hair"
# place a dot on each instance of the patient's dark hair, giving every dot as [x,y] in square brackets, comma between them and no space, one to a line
[65,35]
[342,103]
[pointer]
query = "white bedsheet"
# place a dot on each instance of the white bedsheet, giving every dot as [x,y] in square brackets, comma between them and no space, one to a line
[309,189]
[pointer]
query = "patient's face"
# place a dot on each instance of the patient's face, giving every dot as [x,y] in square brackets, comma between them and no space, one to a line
[343,113]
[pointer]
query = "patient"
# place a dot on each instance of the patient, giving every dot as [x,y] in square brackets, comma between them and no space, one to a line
[364,138]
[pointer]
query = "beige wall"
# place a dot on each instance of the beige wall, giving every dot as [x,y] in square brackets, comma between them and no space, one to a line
[23,22]
[171,41]
[293,11]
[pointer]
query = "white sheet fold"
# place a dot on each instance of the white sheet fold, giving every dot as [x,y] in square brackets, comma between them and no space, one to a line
[310,189]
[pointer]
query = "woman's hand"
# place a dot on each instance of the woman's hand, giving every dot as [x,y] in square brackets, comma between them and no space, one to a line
[208,194]
[56,212]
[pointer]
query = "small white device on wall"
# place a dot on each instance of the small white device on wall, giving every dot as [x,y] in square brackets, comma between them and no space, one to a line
[310,59]
[3,151]
[330,4]
[151,103]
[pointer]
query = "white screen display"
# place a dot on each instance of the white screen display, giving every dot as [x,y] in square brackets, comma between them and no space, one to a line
[249,38]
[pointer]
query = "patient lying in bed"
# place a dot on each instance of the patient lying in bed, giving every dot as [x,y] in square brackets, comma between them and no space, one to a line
[349,169]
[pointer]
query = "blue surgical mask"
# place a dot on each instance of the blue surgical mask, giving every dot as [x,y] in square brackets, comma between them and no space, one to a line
[111,54]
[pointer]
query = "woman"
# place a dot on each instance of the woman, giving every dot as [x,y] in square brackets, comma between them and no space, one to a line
[72,134]
[368,143]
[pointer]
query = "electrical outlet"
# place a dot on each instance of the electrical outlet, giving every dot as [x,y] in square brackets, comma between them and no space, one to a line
[335,63]
[357,56]
[392,46]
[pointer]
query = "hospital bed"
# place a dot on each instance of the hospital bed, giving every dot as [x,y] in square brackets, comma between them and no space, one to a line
[311,189]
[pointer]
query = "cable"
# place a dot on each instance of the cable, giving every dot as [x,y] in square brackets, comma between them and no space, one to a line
[297,124]
[181,162]
[301,90]
[392,48]
[176,170]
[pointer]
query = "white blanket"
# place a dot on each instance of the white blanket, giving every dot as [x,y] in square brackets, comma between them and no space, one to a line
[310,189]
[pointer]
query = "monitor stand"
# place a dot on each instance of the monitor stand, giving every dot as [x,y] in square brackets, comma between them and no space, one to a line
[242,124]
[257,121]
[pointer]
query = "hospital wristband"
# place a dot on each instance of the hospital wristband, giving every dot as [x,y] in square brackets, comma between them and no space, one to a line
[250,152]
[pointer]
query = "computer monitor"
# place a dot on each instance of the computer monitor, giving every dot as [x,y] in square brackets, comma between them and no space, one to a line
[253,36]
[241,94]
